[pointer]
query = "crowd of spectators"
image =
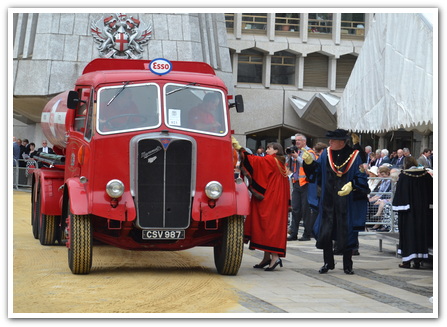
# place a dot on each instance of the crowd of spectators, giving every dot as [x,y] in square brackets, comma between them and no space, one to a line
[23,154]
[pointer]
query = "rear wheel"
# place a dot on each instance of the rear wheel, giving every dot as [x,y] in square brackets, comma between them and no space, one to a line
[80,244]
[35,212]
[228,253]
[48,229]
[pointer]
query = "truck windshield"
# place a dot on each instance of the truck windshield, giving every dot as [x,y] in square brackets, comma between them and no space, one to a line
[127,108]
[196,108]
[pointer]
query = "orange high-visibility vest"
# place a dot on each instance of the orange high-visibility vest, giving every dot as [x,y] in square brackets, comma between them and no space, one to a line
[302,175]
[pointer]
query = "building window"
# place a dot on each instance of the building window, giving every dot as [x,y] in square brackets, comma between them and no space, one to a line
[352,24]
[283,68]
[249,69]
[264,137]
[289,22]
[345,65]
[253,23]
[316,68]
[320,24]
[229,21]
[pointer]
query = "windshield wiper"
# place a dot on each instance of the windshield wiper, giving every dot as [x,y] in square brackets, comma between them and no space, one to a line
[118,93]
[182,88]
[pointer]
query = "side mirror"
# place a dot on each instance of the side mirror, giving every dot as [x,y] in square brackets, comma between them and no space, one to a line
[73,100]
[238,103]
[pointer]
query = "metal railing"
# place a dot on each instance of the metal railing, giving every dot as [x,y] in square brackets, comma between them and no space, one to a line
[22,172]
[380,208]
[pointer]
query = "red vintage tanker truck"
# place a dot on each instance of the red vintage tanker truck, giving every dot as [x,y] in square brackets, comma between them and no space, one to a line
[144,161]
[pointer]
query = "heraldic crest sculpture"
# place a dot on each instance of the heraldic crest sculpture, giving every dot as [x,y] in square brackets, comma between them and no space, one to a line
[120,36]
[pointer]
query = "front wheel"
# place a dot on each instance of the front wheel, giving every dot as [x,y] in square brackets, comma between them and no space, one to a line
[228,253]
[80,244]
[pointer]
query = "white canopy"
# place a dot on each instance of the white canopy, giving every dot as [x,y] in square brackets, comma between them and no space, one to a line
[391,85]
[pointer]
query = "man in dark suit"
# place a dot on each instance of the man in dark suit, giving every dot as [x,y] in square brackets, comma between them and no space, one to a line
[398,161]
[45,148]
[384,158]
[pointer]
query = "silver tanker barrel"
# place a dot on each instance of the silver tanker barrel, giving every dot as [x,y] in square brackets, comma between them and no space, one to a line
[56,120]
[49,159]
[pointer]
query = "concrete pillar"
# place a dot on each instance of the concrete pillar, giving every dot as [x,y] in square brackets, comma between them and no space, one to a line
[382,141]
[304,27]
[271,26]
[300,72]
[235,60]
[332,73]
[238,25]
[267,71]
[20,34]
[368,21]
[336,28]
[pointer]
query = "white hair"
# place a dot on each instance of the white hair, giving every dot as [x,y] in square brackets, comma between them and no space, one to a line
[385,152]
[302,135]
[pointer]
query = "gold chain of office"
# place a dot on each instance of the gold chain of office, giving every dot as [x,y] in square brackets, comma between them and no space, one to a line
[283,171]
[343,164]
[413,175]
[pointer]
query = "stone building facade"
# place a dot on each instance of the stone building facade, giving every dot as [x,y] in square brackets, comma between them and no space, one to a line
[50,50]
[291,68]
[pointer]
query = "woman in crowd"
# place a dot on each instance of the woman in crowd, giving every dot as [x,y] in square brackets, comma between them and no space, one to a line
[266,225]
[383,186]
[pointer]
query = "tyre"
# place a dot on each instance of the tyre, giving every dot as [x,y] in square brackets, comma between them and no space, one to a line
[48,228]
[80,244]
[35,213]
[228,253]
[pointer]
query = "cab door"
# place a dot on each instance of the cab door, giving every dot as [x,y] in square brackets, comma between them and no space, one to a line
[81,132]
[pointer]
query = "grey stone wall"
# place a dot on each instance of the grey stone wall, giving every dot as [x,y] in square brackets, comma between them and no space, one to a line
[62,46]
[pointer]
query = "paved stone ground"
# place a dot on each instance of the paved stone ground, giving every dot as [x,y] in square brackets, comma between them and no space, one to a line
[378,289]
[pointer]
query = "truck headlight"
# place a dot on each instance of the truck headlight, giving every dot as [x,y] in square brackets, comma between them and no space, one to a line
[115,188]
[213,190]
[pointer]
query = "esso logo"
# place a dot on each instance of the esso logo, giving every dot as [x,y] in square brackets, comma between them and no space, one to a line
[160,66]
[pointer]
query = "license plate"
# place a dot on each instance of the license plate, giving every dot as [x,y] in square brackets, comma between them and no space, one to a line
[163,234]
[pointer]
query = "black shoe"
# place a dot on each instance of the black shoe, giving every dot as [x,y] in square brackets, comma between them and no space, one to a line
[262,264]
[326,268]
[355,252]
[349,271]
[291,238]
[278,262]
[303,238]
[405,264]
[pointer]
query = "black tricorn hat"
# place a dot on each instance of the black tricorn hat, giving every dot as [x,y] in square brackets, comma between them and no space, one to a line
[338,134]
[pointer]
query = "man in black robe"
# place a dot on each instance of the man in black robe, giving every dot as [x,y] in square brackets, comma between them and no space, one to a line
[343,202]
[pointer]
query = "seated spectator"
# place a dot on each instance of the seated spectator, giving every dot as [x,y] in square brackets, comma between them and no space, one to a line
[398,160]
[384,159]
[372,159]
[377,158]
[384,186]
[373,172]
